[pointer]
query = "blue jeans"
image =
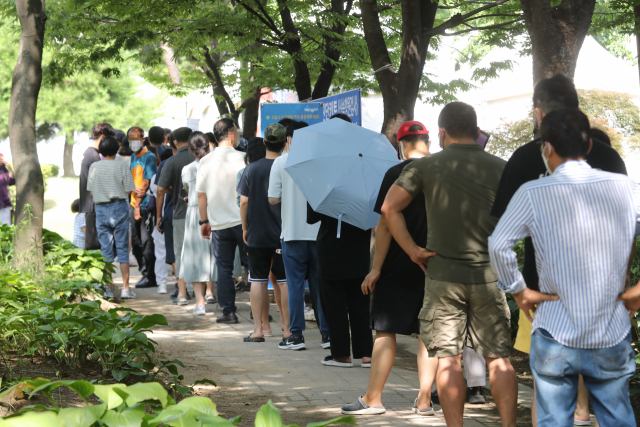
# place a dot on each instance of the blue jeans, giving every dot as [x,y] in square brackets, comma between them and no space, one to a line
[299,258]
[224,243]
[112,223]
[606,375]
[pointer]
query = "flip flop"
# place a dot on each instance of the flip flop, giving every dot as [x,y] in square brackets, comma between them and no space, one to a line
[249,339]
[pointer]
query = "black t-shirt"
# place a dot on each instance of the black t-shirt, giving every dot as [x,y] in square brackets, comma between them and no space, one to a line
[341,258]
[265,222]
[91,156]
[397,266]
[526,165]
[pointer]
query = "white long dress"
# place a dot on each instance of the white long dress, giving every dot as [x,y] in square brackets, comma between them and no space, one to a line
[198,263]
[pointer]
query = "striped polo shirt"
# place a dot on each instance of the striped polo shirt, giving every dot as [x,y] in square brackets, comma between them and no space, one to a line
[109,180]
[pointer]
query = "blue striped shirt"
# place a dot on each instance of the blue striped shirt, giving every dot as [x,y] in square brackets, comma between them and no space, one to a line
[582,222]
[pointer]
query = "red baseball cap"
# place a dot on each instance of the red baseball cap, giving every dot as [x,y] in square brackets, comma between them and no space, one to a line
[404,130]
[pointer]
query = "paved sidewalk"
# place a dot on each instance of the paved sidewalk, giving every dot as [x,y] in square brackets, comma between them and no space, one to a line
[296,381]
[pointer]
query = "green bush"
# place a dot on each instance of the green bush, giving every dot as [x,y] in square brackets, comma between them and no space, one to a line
[142,404]
[49,170]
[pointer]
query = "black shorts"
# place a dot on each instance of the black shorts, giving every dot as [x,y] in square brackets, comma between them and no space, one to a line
[263,260]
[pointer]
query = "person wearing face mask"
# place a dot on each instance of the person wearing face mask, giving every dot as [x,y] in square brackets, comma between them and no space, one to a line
[529,163]
[143,168]
[582,222]
[462,304]
[397,286]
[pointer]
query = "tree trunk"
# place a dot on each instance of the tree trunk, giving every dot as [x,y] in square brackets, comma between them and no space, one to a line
[557,34]
[636,13]
[251,110]
[67,160]
[172,65]
[25,86]
[293,46]
[399,89]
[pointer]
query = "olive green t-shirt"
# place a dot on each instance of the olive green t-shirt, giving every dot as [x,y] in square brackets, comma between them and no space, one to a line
[459,186]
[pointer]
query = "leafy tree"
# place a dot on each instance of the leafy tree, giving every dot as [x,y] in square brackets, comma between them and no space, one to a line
[415,26]
[84,99]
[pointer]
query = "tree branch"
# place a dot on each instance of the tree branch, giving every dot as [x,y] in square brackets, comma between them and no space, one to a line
[458,19]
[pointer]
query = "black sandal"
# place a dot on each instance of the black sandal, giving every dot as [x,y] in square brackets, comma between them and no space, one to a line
[249,339]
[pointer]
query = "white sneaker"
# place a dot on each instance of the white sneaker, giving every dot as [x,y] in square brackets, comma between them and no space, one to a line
[127,294]
[199,310]
[108,294]
[162,289]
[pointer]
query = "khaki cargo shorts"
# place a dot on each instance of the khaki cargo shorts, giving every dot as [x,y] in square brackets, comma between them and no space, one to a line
[454,315]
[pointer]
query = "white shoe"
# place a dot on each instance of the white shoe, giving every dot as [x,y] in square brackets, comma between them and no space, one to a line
[109,294]
[199,310]
[328,361]
[309,316]
[127,294]
[162,289]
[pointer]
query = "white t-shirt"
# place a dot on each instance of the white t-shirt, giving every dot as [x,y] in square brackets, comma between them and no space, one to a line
[294,204]
[217,174]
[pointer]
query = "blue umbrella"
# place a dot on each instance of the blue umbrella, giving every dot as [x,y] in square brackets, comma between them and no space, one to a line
[338,167]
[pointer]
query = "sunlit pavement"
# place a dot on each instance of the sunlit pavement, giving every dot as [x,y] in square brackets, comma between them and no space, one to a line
[294,380]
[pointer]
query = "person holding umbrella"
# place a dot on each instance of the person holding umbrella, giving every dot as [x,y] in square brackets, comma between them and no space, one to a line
[339,168]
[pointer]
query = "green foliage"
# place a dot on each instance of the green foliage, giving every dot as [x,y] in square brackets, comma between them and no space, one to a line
[141,404]
[507,137]
[77,101]
[50,170]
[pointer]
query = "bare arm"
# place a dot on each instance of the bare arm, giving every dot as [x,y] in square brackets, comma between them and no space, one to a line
[244,215]
[383,241]
[397,199]
[275,200]
[205,229]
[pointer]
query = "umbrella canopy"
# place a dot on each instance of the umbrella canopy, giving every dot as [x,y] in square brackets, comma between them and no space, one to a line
[339,167]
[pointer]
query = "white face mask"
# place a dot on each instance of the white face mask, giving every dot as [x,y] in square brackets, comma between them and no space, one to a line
[545,160]
[135,145]
[401,150]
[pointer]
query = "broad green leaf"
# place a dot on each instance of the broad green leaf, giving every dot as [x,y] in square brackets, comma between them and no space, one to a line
[173,369]
[149,321]
[46,328]
[83,388]
[268,416]
[217,421]
[119,375]
[81,417]
[346,420]
[96,274]
[201,405]
[32,419]
[142,337]
[55,303]
[146,391]
[86,323]
[235,420]
[108,396]
[131,417]
[89,306]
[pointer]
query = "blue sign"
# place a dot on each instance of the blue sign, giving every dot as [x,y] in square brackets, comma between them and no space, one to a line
[346,103]
[272,113]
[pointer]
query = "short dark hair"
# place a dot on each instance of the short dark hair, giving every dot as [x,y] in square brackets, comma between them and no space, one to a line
[275,147]
[119,135]
[255,154]
[75,206]
[459,120]
[156,135]
[138,129]
[199,144]
[211,138]
[221,129]
[568,131]
[104,129]
[181,135]
[125,150]
[286,122]
[600,135]
[341,116]
[412,139]
[108,146]
[166,153]
[554,93]
[167,131]
[295,126]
